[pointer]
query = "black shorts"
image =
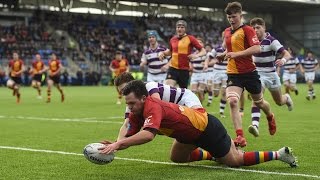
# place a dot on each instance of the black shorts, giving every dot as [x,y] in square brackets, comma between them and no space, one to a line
[16,80]
[37,77]
[215,138]
[180,76]
[55,79]
[249,81]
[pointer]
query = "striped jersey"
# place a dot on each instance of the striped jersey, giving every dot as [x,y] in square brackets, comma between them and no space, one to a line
[153,62]
[166,92]
[198,64]
[292,63]
[209,56]
[220,65]
[265,60]
[309,64]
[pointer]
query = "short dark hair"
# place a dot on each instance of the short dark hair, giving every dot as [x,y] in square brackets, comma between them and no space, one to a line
[137,87]
[123,78]
[257,21]
[233,7]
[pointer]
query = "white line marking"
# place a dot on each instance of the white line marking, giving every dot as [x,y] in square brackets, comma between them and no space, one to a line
[86,120]
[167,163]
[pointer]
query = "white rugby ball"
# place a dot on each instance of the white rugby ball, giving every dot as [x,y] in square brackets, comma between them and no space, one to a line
[91,153]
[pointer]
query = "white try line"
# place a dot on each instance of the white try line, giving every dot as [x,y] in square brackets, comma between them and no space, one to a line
[168,163]
[85,120]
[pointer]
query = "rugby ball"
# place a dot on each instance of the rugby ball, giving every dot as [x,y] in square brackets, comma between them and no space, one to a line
[91,153]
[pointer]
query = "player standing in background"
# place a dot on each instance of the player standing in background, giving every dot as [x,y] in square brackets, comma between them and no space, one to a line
[209,75]
[289,76]
[241,43]
[220,77]
[16,67]
[37,70]
[156,67]
[190,129]
[55,67]
[309,65]
[181,46]
[266,63]
[166,93]
[199,67]
[118,66]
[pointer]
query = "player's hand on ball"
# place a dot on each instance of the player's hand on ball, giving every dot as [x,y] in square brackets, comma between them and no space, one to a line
[110,148]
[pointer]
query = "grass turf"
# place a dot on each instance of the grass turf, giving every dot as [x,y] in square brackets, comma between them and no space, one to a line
[90,114]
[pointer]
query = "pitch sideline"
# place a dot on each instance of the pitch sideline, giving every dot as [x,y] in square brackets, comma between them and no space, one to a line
[167,163]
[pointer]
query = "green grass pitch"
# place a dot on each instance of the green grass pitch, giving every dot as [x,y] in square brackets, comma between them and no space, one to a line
[90,114]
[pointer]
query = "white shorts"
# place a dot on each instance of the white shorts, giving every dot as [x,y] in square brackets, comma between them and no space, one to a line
[309,76]
[270,80]
[189,99]
[209,77]
[291,77]
[220,77]
[156,78]
[198,78]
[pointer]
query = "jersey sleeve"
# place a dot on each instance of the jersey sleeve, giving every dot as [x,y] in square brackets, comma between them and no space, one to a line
[143,58]
[251,36]
[195,43]
[277,47]
[152,87]
[213,53]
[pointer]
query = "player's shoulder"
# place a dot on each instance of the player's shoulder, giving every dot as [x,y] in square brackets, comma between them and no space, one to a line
[161,46]
[247,27]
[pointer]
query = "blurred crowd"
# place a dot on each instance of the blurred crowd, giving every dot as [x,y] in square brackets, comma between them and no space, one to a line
[96,37]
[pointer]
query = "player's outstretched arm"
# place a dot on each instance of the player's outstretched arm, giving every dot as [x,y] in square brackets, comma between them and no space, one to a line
[123,129]
[141,137]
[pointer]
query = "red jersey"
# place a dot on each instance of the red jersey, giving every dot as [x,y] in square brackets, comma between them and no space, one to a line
[179,122]
[37,66]
[119,66]
[54,65]
[240,40]
[15,66]
[181,48]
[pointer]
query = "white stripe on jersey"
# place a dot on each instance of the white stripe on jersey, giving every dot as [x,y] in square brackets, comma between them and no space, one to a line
[208,56]
[198,64]
[269,48]
[309,64]
[292,63]
[219,66]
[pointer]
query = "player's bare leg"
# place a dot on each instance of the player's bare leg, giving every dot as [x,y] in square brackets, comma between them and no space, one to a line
[182,153]
[281,99]
[233,97]
[265,107]
[61,92]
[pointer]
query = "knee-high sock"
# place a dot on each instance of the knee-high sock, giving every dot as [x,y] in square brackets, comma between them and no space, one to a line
[200,154]
[257,157]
